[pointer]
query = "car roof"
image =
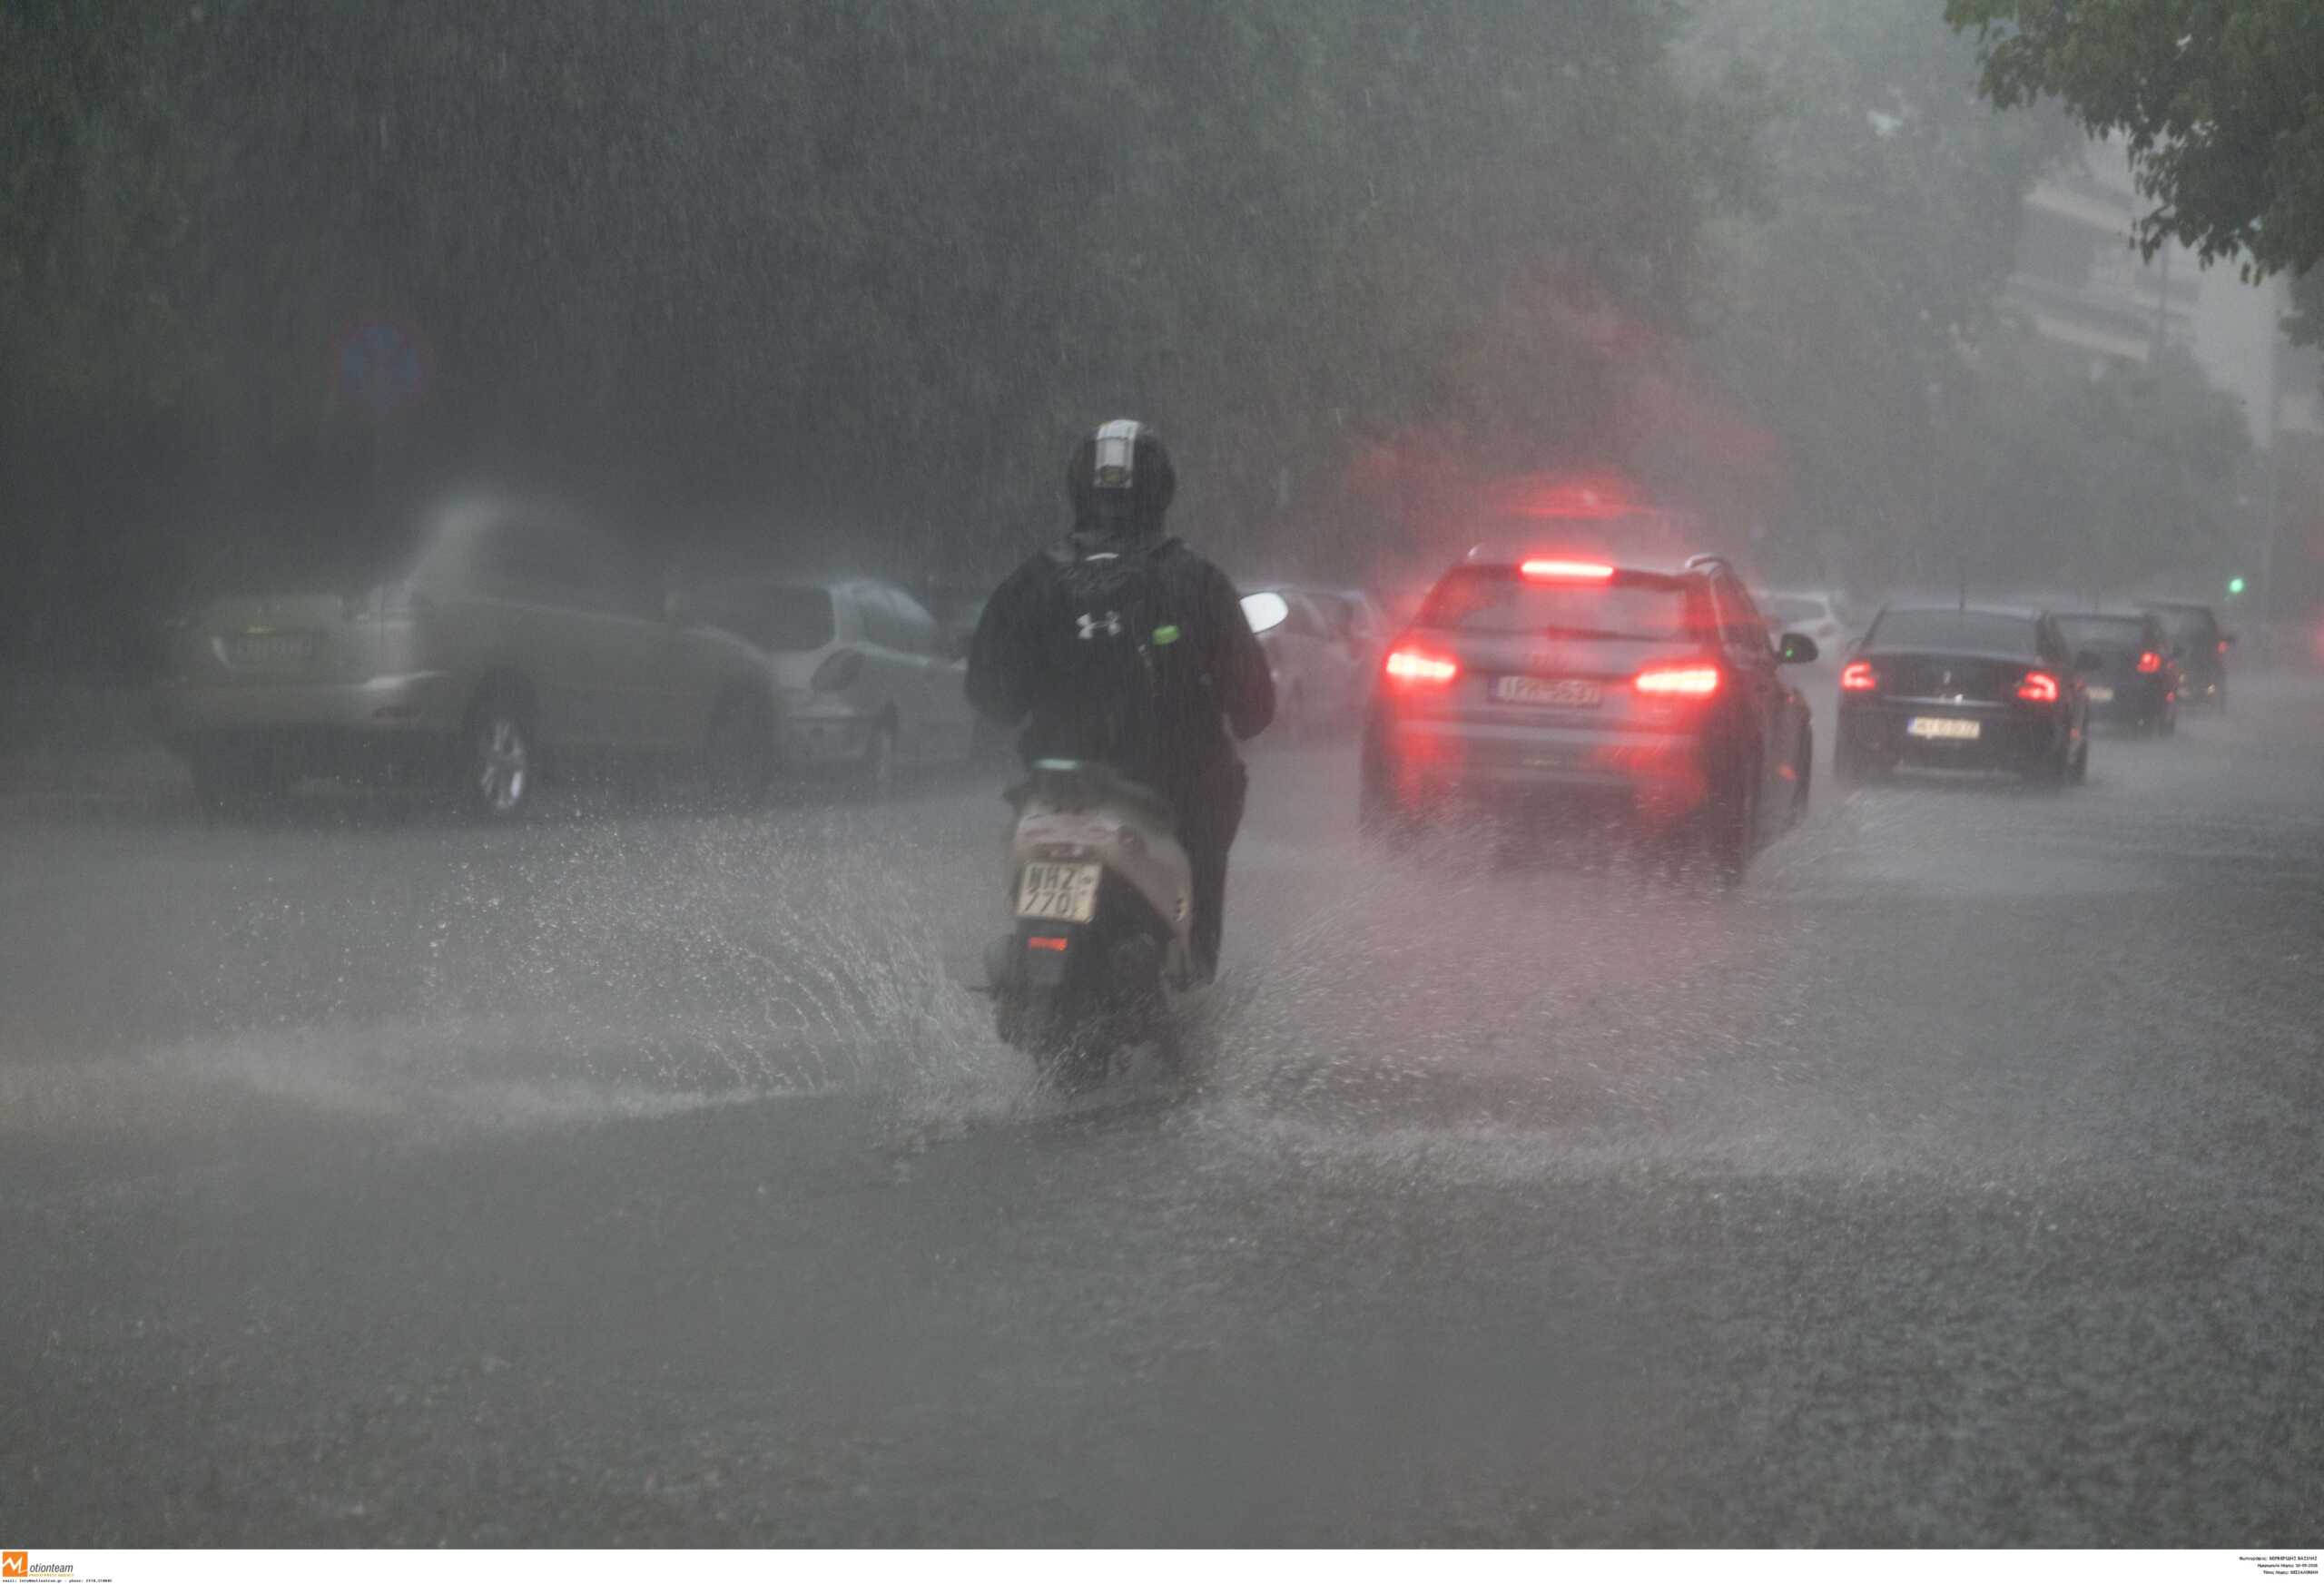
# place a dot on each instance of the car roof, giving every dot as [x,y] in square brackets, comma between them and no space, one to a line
[2178,605]
[1940,607]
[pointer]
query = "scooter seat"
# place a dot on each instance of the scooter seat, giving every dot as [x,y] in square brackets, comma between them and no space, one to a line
[1075,782]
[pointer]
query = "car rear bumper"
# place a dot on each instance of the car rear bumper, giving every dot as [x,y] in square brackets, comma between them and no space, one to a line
[2133,701]
[423,703]
[814,738]
[2007,737]
[1428,760]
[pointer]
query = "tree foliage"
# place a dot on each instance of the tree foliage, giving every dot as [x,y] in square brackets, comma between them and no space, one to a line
[865,265]
[2219,101]
[1915,424]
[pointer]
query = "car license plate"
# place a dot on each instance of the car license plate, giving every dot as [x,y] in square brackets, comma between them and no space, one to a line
[1940,729]
[273,649]
[1564,693]
[1060,891]
[2101,695]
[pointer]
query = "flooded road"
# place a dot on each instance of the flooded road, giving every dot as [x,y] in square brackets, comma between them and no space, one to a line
[651,1178]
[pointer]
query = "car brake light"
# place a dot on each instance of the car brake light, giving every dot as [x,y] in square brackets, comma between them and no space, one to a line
[1857,676]
[1048,942]
[1567,571]
[838,672]
[2223,646]
[2038,688]
[2150,662]
[1680,681]
[1419,668]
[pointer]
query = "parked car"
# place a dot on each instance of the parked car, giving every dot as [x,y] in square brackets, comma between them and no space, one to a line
[1821,616]
[508,643]
[1965,688]
[1650,690]
[863,680]
[2202,646]
[2138,683]
[1323,653]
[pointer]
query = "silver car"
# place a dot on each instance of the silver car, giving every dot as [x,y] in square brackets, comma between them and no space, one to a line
[863,679]
[1322,655]
[504,641]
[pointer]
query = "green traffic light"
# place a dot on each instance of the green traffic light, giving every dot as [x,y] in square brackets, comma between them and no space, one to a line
[2234,586]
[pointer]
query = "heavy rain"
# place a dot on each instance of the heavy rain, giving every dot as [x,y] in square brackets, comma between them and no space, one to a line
[612,761]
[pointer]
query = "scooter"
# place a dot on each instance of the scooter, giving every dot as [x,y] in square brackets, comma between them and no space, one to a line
[1100,959]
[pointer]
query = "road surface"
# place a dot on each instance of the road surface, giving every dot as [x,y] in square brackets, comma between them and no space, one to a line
[647,1178]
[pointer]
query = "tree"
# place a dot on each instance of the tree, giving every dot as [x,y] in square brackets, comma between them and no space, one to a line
[2221,104]
[1891,204]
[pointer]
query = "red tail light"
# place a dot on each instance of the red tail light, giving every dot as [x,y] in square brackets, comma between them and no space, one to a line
[1416,668]
[2150,662]
[1680,681]
[1567,571]
[2223,646]
[1857,676]
[2038,688]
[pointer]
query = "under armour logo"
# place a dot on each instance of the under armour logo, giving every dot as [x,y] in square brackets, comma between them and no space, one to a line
[1111,623]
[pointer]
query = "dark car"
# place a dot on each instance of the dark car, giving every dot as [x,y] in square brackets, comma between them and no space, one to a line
[2200,646]
[1964,688]
[2137,684]
[1653,690]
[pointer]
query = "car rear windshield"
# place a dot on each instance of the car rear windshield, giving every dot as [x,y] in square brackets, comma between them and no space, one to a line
[790,619]
[2103,632]
[2182,624]
[1959,632]
[1497,599]
[1790,608]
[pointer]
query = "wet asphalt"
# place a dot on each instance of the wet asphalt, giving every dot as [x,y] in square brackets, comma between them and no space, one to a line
[639,1177]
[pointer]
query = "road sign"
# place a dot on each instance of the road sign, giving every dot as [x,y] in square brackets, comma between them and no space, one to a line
[382,365]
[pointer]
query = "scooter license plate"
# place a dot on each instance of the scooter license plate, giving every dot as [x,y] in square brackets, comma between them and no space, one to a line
[1060,891]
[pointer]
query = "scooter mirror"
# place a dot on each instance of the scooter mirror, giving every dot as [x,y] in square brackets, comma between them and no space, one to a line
[1265,612]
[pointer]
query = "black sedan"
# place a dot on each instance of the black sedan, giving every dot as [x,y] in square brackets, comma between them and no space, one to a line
[2200,646]
[2137,684]
[1964,688]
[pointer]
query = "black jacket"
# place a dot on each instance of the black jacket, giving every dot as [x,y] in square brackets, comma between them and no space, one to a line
[1209,675]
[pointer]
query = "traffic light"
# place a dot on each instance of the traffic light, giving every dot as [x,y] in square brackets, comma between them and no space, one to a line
[2234,586]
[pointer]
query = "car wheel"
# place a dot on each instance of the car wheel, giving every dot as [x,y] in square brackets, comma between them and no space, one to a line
[1383,818]
[738,753]
[1732,831]
[1804,787]
[497,772]
[874,779]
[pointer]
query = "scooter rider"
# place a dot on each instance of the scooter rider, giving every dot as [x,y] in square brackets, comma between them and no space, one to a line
[1123,646]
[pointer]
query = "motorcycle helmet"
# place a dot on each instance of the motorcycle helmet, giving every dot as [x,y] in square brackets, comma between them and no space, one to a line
[1120,478]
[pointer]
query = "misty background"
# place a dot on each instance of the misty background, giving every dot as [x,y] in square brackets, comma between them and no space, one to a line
[801,281]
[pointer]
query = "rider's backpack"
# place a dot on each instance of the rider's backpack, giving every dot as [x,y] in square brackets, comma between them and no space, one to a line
[1110,603]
